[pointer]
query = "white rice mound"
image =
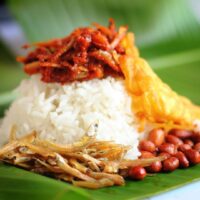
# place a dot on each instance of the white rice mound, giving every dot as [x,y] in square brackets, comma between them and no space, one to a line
[65,113]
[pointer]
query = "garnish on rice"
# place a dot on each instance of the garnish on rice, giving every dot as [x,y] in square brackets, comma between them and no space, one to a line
[89,53]
[85,54]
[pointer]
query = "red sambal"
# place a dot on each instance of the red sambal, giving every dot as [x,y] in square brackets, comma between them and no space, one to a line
[85,54]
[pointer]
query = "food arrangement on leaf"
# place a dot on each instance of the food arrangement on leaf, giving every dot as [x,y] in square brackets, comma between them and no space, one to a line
[94,113]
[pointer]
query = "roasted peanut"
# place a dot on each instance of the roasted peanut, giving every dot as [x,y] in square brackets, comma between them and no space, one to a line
[170,164]
[167,147]
[184,147]
[157,136]
[193,156]
[181,133]
[188,141]
[155,167]
[173,140]
[196,137]
[137,173]
[183,161]
[147,145]
[146,154]
[197,147]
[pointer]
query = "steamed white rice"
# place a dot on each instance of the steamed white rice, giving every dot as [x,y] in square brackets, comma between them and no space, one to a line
[65,113]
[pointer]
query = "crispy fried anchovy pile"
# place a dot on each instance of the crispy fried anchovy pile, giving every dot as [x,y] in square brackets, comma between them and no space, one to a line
[88,163]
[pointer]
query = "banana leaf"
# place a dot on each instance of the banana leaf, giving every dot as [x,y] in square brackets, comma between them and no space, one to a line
[19,184]
[167,34]
[10,75]
[10,71]
[161,27]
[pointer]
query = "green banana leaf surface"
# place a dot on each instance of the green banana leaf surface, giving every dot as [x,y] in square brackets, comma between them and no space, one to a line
[168,36]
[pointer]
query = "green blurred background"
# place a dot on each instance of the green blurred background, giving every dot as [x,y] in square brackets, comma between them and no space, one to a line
[167,34]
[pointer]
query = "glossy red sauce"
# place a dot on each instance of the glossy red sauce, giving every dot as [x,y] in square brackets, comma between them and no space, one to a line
[85,54]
